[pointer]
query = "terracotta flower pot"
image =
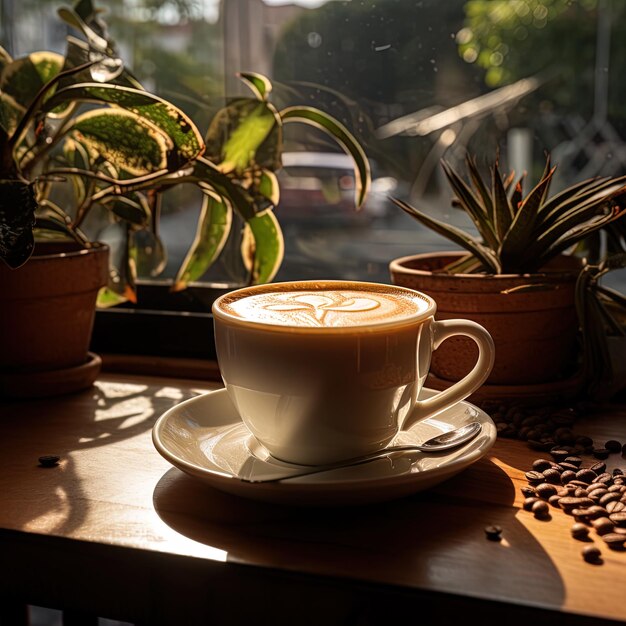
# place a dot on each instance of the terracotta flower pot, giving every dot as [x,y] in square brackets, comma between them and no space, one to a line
[48,309]
[532,318]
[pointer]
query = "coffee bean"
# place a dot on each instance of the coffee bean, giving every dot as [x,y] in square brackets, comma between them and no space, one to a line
[528,503]
[587,475]
[554,500]
[540,509]
[617,471]
[598,468]
[605,477]
[595,486]
[584,441]
[528,491]
[615,541]
[535,444]
[578,483]
[559,454]
[597,494]
[541,465]
[580,492]
[617,489]
[493,532]
[595,511]
[613,446]
[49,460]
[570,502]
[552,476]
[534,477]
[591,554]
[618,518]
[581,515]
[616,506]
[565,466]
[624,450]
[567,476]
[609,497]
[574,460]
[602,525]
[579,531]
[545,490]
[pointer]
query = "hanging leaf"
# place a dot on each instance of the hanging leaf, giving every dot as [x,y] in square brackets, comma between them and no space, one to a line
[268,187]
[123,138]
[243,134]
[211,235]
[343,137]
[263,251]
[260,85]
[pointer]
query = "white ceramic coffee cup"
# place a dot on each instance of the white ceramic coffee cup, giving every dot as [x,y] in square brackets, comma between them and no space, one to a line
[320,394]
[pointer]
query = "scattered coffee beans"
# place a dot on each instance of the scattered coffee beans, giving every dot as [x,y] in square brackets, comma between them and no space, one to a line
[560,479]
[593,496]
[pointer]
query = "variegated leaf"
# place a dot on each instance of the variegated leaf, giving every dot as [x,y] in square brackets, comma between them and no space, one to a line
[211,235]
[125,139]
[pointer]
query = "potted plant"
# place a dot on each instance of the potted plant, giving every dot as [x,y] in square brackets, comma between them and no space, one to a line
[50,283]
[517,278]
[119,155]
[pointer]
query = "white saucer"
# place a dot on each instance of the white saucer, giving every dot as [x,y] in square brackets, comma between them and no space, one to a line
[204,437]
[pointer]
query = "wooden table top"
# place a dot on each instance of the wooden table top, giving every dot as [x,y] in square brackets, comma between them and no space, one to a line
[117,530]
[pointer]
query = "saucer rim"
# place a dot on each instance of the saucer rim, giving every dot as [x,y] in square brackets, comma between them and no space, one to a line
[313,482]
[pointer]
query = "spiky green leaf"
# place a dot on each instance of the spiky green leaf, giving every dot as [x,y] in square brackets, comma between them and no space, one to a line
[471,205]
[517,238]
[482,253]
[502,210]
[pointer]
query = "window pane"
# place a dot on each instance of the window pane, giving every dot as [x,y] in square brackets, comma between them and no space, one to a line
[415,81]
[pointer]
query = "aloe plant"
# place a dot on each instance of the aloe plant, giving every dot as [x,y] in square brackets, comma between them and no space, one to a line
[520,234]
[128,148]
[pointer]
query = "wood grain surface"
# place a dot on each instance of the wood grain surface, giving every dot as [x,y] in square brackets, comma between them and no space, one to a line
[116,530]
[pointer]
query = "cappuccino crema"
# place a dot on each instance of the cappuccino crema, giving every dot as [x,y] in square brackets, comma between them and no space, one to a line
[326,306]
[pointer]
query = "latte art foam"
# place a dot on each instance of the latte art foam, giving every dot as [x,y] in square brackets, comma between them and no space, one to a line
[326,307]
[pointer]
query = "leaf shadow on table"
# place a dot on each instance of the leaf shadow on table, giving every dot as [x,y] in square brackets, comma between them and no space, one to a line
[44,497]
[434,539]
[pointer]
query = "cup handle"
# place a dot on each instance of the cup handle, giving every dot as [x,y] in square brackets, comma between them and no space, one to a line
[467,385]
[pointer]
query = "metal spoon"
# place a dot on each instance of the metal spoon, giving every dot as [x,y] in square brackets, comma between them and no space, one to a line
[259,470]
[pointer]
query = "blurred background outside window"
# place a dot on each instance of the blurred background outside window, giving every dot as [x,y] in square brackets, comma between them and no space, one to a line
[414,80]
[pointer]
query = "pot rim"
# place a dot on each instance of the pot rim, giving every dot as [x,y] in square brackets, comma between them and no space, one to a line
[398,265]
